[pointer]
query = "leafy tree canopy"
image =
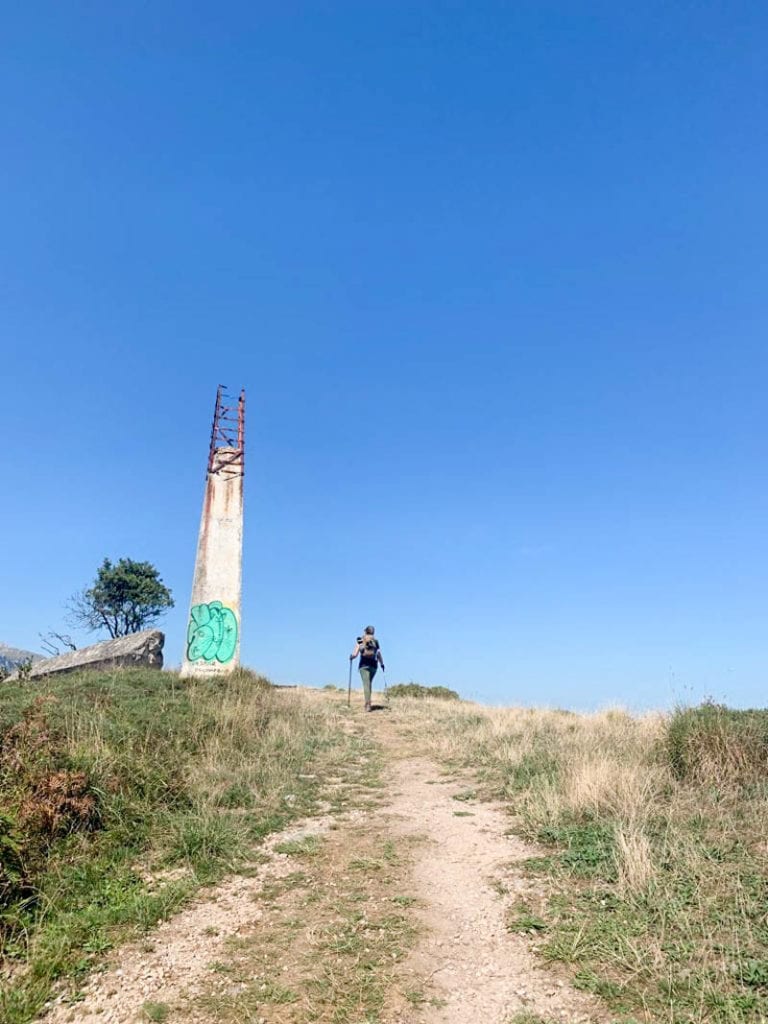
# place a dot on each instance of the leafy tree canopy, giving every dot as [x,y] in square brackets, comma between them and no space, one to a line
[124,598]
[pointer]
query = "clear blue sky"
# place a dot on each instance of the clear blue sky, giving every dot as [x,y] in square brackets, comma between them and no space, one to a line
[494,276]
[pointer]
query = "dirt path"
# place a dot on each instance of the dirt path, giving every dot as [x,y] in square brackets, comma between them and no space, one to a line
[472,968]
[392,911]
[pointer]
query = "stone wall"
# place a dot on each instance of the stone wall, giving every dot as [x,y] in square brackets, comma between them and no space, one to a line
[138,650]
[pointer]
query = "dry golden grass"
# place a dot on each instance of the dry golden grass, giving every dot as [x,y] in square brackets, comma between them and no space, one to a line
[634,861]
[603,762]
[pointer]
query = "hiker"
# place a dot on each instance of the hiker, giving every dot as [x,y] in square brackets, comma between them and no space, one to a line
[369,649]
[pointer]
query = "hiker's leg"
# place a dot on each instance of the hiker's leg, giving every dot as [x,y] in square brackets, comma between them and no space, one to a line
[365,675]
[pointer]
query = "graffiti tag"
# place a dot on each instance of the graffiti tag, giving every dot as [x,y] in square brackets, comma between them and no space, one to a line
[212,633]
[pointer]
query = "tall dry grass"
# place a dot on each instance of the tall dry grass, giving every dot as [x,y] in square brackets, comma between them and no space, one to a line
[554,763]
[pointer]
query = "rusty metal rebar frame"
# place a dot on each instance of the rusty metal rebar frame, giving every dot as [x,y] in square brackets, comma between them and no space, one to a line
[228,432]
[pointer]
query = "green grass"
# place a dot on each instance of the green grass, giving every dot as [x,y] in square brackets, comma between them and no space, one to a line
[404,901]
[532,769]
[306,846]
[155,1011]
[417,690]
[693,940]
[466,794]
[109,782]
[715,746]
[528,1018]
[522,919]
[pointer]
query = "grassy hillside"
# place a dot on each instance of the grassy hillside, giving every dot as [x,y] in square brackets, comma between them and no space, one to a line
[121,793]
[654,846]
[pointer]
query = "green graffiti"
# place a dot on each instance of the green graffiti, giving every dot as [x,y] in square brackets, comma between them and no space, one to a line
[212,633]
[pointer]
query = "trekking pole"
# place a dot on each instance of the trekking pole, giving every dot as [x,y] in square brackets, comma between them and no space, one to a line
[349,688]
[386,691]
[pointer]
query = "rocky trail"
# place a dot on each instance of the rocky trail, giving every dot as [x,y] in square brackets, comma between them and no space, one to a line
[391,909]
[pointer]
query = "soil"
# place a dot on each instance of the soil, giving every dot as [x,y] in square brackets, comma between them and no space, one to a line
[448,958]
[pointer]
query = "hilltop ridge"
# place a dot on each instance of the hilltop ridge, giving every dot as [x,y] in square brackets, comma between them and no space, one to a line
[10,657]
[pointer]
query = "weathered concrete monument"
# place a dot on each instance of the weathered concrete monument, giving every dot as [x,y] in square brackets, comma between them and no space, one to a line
[213,633]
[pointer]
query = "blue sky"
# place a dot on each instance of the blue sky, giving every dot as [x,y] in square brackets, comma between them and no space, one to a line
[494,278]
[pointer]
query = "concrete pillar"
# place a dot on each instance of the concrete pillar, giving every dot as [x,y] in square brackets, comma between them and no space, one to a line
[213,633]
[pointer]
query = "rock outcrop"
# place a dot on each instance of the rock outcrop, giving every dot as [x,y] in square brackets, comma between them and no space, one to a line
[136,650]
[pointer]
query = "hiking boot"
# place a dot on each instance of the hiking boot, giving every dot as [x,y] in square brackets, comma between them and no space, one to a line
[367,705]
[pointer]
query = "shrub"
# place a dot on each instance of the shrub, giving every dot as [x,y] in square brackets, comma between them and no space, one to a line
[13,885]
[417,690]
[45,795]
[717,746]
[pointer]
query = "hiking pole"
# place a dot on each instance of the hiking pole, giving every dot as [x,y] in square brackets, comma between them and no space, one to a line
[386,691]
[349,688]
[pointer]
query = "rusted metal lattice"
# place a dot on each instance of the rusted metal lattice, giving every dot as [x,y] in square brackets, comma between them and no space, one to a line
[227,452]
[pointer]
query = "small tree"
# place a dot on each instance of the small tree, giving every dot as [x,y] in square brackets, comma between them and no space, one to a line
[124,598]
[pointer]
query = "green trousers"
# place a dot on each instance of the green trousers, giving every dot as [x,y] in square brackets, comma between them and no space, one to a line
[367,672]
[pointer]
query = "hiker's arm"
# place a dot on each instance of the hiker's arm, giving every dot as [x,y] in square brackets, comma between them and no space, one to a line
[355,653]
[381,659]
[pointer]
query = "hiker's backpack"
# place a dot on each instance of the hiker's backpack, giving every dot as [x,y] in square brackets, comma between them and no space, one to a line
[370,646]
